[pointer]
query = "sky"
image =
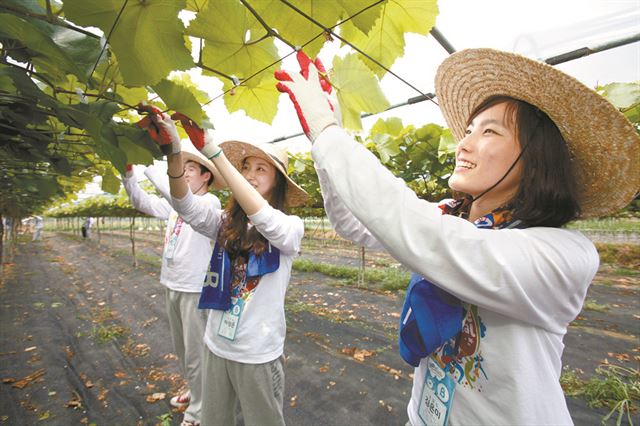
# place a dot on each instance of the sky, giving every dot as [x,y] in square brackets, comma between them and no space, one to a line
[538,29]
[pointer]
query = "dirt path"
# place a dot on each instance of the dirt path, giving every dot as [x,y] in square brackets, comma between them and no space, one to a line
[342,366]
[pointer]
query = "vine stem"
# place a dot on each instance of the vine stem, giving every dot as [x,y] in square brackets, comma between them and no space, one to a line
[53,20]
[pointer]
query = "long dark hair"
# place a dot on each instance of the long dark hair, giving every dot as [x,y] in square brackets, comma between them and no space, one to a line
[235,235]
[547,192]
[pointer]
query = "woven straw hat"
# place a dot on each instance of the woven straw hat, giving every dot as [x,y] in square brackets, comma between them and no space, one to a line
[190,153]
[237,151]
[604,146]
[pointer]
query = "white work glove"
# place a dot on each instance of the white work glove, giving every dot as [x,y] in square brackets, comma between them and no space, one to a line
[201,139]
[310,93]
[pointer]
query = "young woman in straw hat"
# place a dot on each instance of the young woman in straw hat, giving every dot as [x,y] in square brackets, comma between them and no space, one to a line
[185,260]
[255,244]
[497,279]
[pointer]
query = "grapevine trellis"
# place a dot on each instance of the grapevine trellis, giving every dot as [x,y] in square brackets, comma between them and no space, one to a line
[68,92]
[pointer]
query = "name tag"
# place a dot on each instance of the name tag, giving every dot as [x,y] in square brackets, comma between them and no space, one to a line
[170,247]
[437,395]
[231,319]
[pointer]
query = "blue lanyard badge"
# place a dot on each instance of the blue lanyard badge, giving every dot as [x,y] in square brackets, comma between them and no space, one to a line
[231,319]
[437,395]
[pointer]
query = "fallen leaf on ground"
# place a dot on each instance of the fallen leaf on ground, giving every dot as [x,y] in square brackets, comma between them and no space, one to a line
[158,396]
[75,402]
[120,374]
[20,384]
[292,403]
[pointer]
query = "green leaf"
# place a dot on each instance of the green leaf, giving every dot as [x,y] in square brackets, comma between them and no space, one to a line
[47,56]
[387,146]
[132,142]
[62,165]
[258,99]
[391,126]
[232,40]
[110,183]
[363,21]
[385,41]
[358,90]
[184,79]
[132,95]
[447,145]
[196,5]
[622,95]
[180,99]
[297,29]
[147,40]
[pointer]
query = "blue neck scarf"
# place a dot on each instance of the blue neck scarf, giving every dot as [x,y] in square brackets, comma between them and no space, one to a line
[216,291]
[430,315]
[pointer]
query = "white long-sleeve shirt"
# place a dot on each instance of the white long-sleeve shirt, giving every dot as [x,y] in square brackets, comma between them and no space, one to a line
[186,259]
[528,284]
[261,332]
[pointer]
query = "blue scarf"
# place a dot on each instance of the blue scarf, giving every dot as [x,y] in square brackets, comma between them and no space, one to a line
[217,295]
[430,315]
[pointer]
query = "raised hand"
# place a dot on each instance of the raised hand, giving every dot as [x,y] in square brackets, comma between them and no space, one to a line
[161,129]
[201,139]
[309,91]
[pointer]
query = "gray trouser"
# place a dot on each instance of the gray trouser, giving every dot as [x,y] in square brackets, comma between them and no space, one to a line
[258,388]
[187,324]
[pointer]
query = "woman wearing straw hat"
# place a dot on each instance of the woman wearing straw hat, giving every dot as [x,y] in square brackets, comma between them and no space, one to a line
[255,244]
[185,260]
[497,280]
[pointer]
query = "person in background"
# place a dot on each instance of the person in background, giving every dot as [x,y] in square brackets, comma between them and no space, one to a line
[38,224]
[256,242]
[86,227]
[497,279]
[185,260]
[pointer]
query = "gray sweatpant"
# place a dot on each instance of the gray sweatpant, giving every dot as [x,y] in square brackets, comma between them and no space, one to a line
[187,324]
[258,388]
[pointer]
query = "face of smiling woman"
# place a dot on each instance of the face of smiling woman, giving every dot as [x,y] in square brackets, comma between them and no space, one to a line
[260,174]
[485,154]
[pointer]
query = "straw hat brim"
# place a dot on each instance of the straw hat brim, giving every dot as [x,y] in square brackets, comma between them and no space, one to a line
[237,151]
[218,180]
[604,146]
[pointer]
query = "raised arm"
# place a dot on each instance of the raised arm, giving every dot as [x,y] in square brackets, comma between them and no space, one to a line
[143,202]
[517,273]
[343,221]
[246,195]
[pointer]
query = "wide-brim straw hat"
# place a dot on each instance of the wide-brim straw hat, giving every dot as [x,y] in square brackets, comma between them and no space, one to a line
[190,153]
[604,146]
[237,151]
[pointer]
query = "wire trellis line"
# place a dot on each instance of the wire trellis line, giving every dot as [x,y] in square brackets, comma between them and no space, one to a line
[553,60]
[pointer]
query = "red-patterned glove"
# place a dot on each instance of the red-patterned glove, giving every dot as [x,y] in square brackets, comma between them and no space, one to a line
[161,129]
[201,139]
[309,92]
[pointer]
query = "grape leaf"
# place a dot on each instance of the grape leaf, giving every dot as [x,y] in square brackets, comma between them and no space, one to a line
[47,56]
[179,98]
[110,183]
[257,98]
[297,29]
[233,43]
[385,41]
[358,90]
[622,95]
[147,39]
